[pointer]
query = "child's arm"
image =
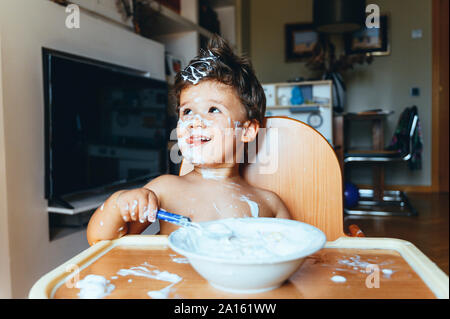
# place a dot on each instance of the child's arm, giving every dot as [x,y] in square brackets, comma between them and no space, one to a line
[282,211]
[278,207]
[124,212]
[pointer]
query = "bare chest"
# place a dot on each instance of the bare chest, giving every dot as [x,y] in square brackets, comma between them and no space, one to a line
[217,202]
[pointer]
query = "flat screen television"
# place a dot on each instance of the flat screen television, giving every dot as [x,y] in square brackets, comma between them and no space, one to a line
[105,125]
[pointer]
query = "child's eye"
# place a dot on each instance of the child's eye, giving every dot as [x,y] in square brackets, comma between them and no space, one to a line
[187,111]
[213,109]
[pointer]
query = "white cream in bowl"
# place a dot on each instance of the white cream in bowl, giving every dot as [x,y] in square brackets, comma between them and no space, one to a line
[260,255]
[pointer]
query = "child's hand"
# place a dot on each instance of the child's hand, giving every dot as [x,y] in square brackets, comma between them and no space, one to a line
[138,204]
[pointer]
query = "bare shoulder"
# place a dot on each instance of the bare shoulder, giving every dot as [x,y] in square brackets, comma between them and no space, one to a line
[163,183]
[274,202]
[168,182]
[162,180]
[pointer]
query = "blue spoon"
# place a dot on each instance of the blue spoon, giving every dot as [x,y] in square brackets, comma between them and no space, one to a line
[176,219]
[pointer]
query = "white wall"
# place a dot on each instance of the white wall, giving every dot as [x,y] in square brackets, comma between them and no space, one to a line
[5,271]
[183,45]
[267,22]
[25,27]
[227,18]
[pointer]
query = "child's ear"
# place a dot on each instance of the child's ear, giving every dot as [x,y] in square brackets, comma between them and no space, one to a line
[249,131]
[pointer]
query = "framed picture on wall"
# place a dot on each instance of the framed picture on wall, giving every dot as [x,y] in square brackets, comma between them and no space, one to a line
[300,41]
[373,41]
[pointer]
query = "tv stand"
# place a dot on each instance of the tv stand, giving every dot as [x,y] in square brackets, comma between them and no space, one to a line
[77,205]
[85,202]
[55,202]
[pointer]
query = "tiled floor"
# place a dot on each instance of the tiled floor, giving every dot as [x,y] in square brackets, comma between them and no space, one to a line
[428,231]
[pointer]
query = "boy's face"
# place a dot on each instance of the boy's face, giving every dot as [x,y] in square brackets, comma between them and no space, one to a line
[209,114]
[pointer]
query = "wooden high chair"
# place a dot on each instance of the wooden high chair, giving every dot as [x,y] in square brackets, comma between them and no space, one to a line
[308,178]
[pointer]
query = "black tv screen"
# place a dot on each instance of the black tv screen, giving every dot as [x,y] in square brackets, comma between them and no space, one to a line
[105,124]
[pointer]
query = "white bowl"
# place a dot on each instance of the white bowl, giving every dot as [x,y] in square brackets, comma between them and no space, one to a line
[250,270]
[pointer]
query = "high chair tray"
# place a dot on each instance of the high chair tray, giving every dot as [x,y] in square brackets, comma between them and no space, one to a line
[345,268]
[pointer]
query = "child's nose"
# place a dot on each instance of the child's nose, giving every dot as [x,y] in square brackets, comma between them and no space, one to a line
[198,122]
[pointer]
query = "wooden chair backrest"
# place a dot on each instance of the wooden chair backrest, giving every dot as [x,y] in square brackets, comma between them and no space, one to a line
[308,176]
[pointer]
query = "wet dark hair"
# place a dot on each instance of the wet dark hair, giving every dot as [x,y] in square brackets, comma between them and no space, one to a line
[218,62]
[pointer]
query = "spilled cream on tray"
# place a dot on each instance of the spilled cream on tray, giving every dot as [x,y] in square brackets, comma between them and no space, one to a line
[94,287]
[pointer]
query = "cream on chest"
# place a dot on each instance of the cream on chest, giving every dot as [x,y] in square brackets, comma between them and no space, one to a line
[218,203]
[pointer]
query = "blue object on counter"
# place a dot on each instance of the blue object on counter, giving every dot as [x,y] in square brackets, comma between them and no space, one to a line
[351,195]
[173,218]
[297,96]
[307,93]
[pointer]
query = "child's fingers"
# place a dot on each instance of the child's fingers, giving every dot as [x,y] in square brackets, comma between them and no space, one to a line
[143,211]
[125,211]
[152,207]
[134,209]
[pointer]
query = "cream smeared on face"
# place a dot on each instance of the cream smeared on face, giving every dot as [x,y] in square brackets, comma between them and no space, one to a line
[193,133]
[208,117]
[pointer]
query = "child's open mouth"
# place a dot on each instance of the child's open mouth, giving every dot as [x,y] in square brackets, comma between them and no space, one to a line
[196,140]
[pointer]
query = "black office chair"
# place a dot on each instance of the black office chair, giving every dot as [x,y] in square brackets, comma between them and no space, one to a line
[392,197]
